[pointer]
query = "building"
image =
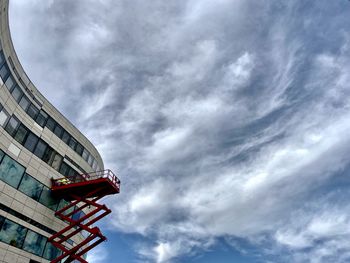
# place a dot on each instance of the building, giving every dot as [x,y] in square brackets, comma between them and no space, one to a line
[36,143]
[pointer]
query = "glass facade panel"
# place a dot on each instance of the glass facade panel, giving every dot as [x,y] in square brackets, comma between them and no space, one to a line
[2,58]
[94,165]
[58,130]
[85,155]
[56,163]
[10,83]
[31,187]
[78,215]
[41,118]
[17,93]
[47,199]
[64,203]
[12,233]
[64,169]
[51,252]
[21,134]
[31,141]
[2,219]
[32,111]
[12,125]
[50,124]
[4,72]
[90,160]
[4,116]
[34,243]
[65,137]
[72,143]
[79,149]
[11,172]
[24,103]
[40,149]
[48,155]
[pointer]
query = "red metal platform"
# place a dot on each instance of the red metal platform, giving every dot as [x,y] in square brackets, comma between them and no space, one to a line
[82,190]
[104,182]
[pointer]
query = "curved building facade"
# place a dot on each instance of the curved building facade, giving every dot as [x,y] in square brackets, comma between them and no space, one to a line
[37,143]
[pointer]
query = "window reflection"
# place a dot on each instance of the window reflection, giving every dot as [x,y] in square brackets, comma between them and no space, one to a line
[24,103]
[12,125]
[12,233]
[4,116]
[17,93]
[10,171]
[34,243]
[21,134]
[31,141]
[40,148]
[31,187]
[10,83]
[51,252]
[47,199]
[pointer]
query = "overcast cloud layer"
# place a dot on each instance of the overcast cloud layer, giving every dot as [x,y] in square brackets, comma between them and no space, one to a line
[224,119]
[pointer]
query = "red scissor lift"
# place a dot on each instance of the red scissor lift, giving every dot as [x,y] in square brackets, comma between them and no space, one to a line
[82,190]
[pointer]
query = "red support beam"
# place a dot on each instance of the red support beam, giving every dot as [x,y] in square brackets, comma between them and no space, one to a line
[82,191]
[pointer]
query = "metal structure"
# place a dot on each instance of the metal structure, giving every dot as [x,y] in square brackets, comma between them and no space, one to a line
[82,190]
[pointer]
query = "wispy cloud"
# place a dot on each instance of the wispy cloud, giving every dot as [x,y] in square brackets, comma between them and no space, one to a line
[98,255]
[223,119]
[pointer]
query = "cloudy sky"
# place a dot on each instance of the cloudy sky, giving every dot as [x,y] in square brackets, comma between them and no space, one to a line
[226,120]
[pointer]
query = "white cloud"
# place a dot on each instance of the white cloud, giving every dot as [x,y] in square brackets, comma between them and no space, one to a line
[221,119]
[98,255]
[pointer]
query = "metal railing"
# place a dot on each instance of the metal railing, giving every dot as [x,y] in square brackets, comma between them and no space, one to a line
[78,178]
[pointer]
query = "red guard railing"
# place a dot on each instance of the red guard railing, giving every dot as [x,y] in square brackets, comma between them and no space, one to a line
[78,178]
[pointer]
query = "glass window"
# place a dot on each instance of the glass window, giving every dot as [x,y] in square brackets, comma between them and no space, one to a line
[41,118]
[31,141]
[12,125]
[21,134]
[48,155]
[4,72]
[11,172]
[79,149]
[72,143]
[50,124]
[64,169]
[2,219]
[47,199]
[10,83]
[34,243]
[79,214]
[2,58]
[17,93]
[1,155]
[56,163]
[58,130]
[64,203]
[4,116]
[33,111]
[51,252]
[85,155]
[94,165]
[40,149]
[12,233]
[72,172]
[65,137]
[31,187]
[90,160]
[24,103]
